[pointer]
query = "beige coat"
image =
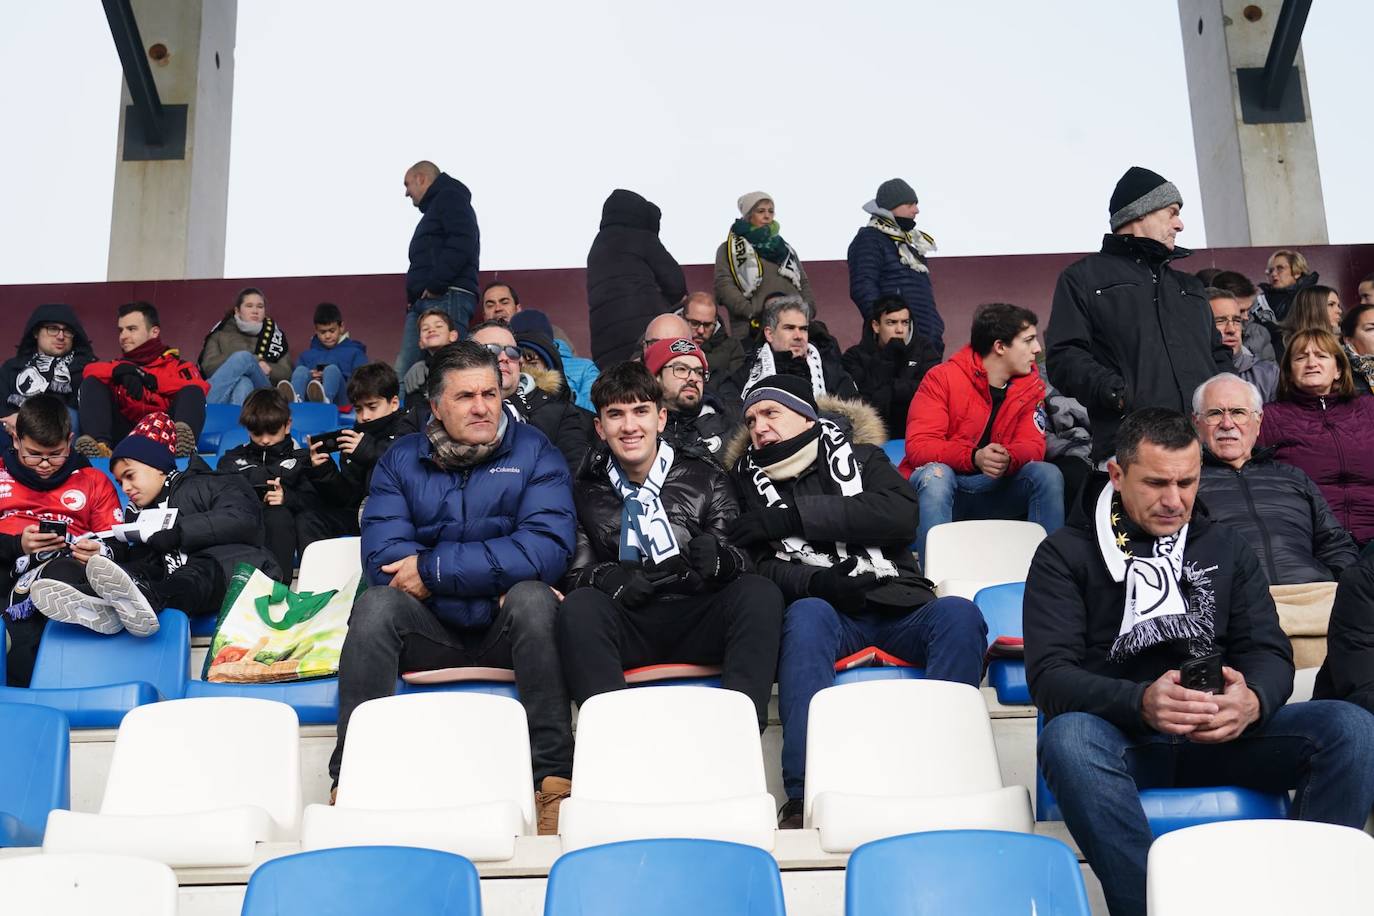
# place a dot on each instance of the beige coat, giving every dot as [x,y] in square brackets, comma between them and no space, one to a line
[743,308]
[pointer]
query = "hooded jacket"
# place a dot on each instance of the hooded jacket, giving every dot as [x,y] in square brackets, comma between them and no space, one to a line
[478,531]
[172,373]
[1128,331]
[16,385]
[884,515]
[579,373]
[1073,609]
[347,355]
[1329,439]
[631,277]
[950,412]
[285,461]
[743,309]
[876,269]
[445,246]
[888,377]
[549,408]
[226,339]
[1281,514]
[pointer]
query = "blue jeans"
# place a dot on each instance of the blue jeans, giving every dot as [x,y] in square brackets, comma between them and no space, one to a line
[235,379]
[947,637]
[1036,491]
[459,303]
[332,380]
[1322,748]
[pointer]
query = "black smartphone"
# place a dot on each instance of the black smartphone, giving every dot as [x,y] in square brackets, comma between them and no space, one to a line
[329,442]
[261,489]
[1203,674]
[57,528]
[319,367]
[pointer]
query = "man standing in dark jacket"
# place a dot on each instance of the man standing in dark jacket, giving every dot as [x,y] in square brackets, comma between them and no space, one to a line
[443,254]
[1136,586]
[654,579]
[465,524]
[888,255]
[888,366]
[1127,330]
[631,277]
[698,425]
[829,520]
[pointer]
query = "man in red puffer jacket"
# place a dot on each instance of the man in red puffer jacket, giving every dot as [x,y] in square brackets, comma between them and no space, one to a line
[150,377]
[975,432]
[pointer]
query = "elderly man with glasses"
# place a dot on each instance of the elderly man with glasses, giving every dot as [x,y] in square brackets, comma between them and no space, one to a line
[698,423]
[1275,507]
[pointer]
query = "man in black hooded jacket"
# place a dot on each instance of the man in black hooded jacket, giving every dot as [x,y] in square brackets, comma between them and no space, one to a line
[51,354]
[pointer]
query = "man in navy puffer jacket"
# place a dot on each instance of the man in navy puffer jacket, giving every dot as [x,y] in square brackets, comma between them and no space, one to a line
[464,524]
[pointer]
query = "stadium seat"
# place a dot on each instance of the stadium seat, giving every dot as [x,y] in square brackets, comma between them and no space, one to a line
[969,872]
[440,771]
[963,557]
[330,564]
[82,885]
[1001,607]
[309,419]
[474,679]
[668,763]
[665,877]
[895,450]
[234,437]
[97,679]
[673,675]
[873,664]
[203,625]
[365,881]
[194,783]
[890,757]
[218,418]
[1260,868]
[34,761]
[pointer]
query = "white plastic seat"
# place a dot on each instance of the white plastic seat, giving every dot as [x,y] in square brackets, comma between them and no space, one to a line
[963,557]
[446,771]
[79,885]
[195,782]
[330,564]
[685,762]
[889,757]
[1260,868]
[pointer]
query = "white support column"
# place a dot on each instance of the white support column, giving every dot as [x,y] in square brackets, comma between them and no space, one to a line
[1260,182]
[169,215]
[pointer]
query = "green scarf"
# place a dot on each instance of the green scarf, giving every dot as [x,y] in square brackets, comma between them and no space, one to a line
[765,239]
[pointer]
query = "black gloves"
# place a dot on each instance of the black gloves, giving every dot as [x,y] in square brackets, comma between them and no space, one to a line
[844,591]
[712,560]
[133,380]
[627,586]
[166,541]
[765,525]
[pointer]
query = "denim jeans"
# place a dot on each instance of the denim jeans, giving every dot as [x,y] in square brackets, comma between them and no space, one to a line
[1322,748]
[459,303]
[1036,491]
[390,632]
[332,380]
[235,379]
[946,637]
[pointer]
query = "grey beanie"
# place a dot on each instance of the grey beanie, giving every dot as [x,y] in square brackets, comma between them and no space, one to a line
[748,202]
[1140,191]
[894,192]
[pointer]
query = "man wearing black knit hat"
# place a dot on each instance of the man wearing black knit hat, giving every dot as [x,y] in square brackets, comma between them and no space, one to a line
[1126,330]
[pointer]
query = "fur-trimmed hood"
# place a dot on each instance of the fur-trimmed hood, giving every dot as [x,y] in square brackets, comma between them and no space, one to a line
[549,381]
[859,421]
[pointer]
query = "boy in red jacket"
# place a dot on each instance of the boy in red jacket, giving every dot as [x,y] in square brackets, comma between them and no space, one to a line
[149,377]
[975,432]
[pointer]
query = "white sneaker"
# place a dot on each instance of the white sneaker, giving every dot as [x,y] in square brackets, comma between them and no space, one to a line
[314,391]
[116,586]
[69,604]
[285,390]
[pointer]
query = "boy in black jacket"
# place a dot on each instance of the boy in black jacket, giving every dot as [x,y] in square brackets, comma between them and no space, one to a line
[1117,601]
[374,392]
[294,515]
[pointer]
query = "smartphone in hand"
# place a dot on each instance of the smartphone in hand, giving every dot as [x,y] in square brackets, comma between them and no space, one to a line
[1203,674]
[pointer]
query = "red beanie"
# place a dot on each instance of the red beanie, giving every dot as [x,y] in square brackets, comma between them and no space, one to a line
[153,442]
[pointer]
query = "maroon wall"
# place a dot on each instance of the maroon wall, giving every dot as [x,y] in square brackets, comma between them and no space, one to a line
[373,304]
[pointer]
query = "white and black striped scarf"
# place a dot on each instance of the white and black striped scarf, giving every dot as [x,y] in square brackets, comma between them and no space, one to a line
[646,534]
[765,364]
[746,267]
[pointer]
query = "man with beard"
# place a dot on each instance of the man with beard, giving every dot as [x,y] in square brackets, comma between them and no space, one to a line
[697,423]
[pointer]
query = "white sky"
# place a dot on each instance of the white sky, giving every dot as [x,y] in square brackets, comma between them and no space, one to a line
[1012,121]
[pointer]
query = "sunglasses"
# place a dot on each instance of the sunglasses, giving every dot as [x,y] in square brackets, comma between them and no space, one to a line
[497,350]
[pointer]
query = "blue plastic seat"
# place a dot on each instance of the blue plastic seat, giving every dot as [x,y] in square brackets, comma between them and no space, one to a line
[1001,607]
[96,679]
[873,664]
[218,418]
[674,877]
[315,701]
[309,418]
[35,762]
[365,881]
[233,438]
[496,688]
[671,674]
[203,625]
[896,450]
[969,872]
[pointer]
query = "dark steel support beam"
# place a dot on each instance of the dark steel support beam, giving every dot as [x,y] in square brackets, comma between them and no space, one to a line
[137,73]
[1283,50]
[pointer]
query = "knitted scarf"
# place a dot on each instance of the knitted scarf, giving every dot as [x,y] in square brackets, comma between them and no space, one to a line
[746,244]
[269,345]
[1156,610]
[765,364]
[43,374]
[912,247]
[1361,365]
[457,456]
[842,473]
[646,534]
[149,351]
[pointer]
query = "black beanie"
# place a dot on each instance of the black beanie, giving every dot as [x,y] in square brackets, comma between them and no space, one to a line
[1140,191]
[790,391]
[893,193]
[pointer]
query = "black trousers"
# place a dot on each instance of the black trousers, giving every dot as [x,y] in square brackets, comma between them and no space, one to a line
[102,421]
[738,628]
[390,632]
[286,531]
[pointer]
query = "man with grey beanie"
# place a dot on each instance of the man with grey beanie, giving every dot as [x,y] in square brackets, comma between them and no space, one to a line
[888,256]
[1126,330]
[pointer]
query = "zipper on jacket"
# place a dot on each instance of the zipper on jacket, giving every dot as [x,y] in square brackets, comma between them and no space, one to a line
[1340,459]
[1263,529]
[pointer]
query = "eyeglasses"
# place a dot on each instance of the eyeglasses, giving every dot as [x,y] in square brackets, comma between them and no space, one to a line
[682,372]
[1239,415]
[497,350]
[701,325]
[1226,321]
[56,330]
[52,461]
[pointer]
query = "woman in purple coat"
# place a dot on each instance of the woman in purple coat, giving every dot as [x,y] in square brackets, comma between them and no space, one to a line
[1321,425]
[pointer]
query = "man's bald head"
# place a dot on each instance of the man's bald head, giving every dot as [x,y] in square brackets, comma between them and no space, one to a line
[418,178]
[666,327]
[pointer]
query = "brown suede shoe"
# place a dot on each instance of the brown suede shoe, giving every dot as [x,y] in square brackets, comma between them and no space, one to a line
[548,800]
[791,815]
